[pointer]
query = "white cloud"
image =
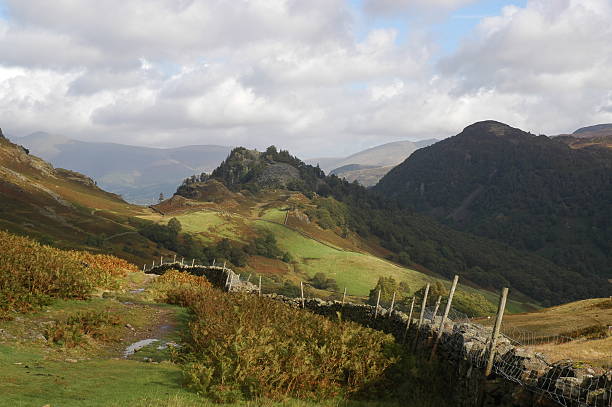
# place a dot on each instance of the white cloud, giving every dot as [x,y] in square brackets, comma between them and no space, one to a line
[395,6]
[294,73]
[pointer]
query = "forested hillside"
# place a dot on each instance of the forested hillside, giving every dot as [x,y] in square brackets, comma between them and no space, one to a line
[411,237]
[531,192]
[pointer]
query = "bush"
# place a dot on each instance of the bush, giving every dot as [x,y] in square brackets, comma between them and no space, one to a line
[32,275]
[75,330]
[243,347]
[322,282]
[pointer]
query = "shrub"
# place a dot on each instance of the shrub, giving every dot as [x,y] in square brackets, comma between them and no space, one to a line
[243,347]
[81,325]
[32,275]
[322,282]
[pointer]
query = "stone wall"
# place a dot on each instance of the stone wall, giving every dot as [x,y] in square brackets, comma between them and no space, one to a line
[520,378]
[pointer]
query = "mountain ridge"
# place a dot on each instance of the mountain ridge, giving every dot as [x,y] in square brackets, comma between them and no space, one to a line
[533,192]
[139,174]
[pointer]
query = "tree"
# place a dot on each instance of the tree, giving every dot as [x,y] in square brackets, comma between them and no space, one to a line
[175,225]
[387,286]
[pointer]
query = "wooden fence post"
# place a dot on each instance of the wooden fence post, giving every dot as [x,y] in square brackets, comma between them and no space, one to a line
[174,260]
[161,260]
[214,260]
[182,261]
[302,289]
[231,281]
[421,317]
[436,308]
[144,266]
[344,296]
[409,322]
[377,304]
[446,311]
[392,304]
[423,306]
[496,329]
[260,286]
[192,262]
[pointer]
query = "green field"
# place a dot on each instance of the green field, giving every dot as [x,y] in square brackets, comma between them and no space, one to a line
[356,271]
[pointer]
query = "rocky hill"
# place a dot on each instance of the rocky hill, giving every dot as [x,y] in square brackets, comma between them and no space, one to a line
[531,192]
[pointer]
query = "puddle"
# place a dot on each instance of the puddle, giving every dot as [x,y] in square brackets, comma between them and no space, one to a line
[133,348]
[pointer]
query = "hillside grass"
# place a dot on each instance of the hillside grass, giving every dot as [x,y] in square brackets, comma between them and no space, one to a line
[588,321]
[357,272]
[346,261]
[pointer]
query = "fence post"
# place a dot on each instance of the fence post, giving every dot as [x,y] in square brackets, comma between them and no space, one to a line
[144,266]
[423,305]
[248,278]
[182,261]
[192,262]
[446,311]
[231,281]
[161,260]
[344,296]
[174,260]
[214,260]
[392,304]
[409,322]
[496,329]
[260,286]
[377,304]
[224,266]
[436,308]
[302,289]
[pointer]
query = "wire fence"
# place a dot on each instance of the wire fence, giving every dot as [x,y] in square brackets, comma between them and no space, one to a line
[567,383]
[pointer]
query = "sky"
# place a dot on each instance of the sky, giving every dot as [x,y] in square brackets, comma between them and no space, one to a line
[317,77]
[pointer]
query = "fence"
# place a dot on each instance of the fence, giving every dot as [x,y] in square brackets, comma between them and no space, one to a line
[461,339]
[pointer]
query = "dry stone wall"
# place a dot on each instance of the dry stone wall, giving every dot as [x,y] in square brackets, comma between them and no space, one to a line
[520,377]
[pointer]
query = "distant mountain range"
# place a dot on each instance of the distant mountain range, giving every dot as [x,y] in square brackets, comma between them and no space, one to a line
[532,192]
[138,174]
[599,135]
[368,166]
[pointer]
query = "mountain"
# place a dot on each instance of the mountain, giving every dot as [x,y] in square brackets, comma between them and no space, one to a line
[599,135]
[65,208]
[138,174]
[534,193]
[596,130]
[368,166]
[404,236]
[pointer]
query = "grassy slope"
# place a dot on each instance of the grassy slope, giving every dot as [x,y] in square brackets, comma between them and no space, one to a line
[45,203]
[354,264]
[567,319]
[35,373]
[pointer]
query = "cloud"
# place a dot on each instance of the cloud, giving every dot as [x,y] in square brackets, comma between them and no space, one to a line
[395,6]
[296,74]
[555,55]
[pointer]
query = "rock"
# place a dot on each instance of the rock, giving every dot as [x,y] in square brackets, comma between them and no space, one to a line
[71,361]
[130,327]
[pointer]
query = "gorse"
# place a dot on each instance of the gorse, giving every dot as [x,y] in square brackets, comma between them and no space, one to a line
[32,275]
[244,346]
